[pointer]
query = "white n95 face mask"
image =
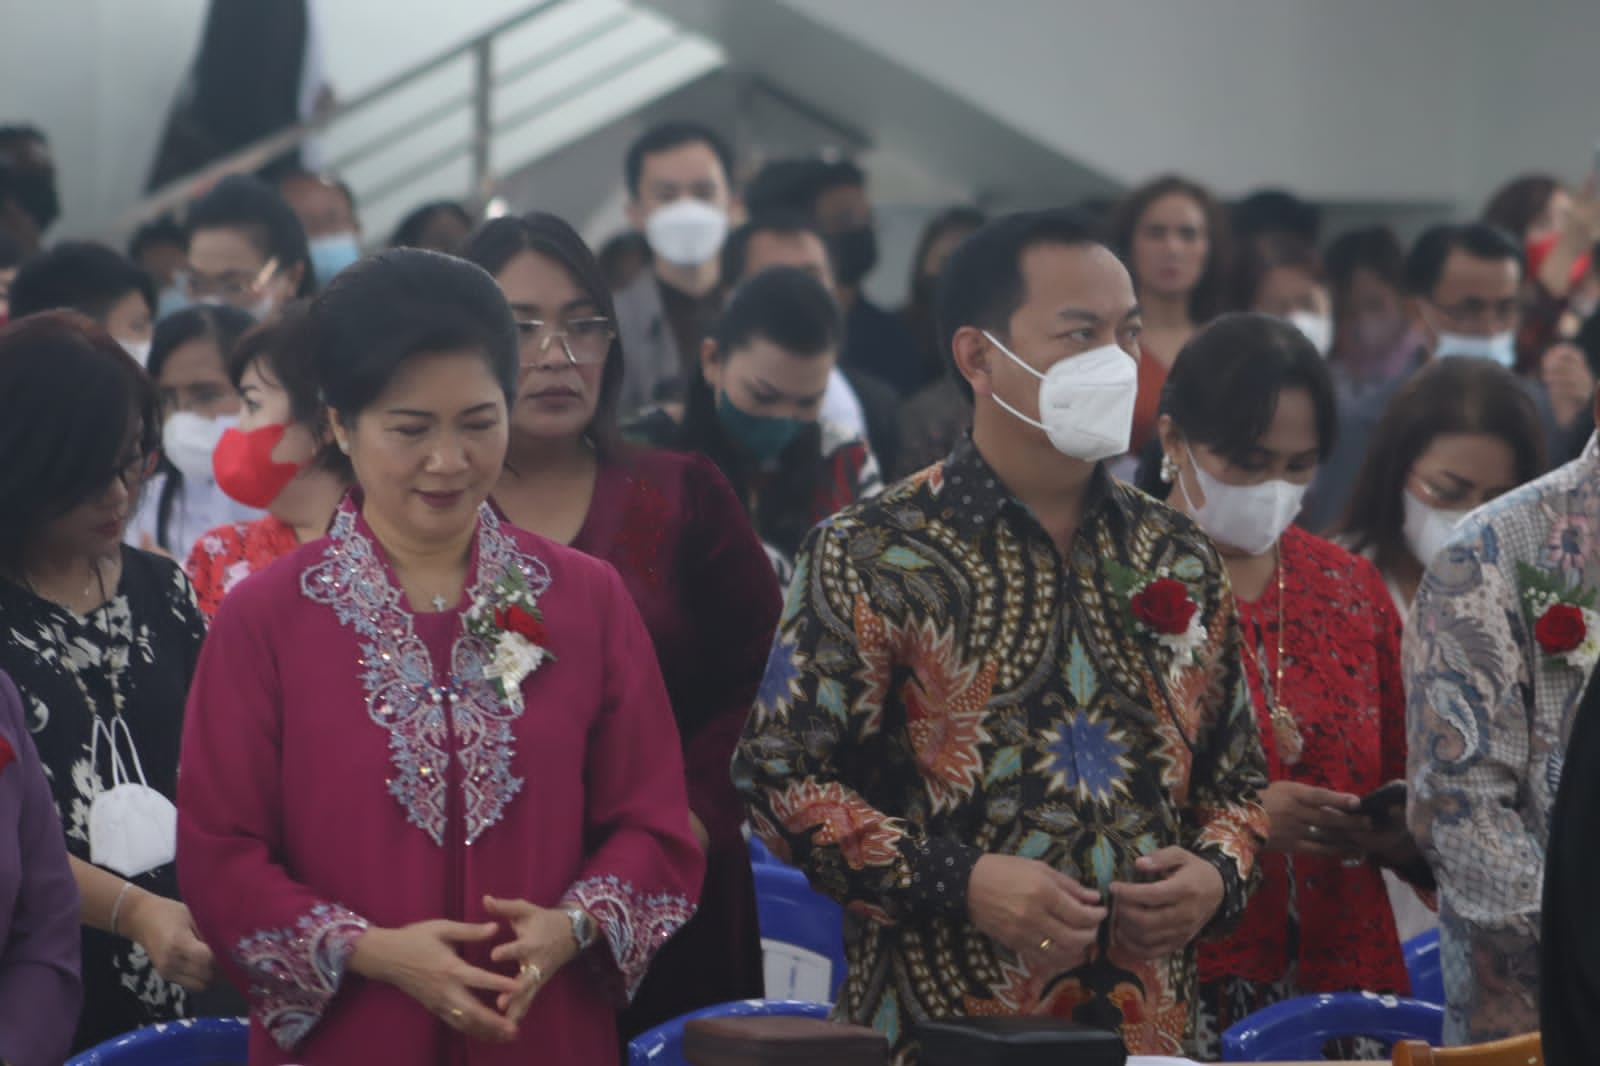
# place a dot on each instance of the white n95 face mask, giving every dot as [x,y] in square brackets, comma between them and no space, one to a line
[132,828]
[1085,401]
[1500,348]
[189,440]
[687,232]
[1317,328]
[1250,518]
[1427,529]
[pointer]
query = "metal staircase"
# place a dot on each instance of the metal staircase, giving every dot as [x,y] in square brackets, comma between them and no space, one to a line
[450,126]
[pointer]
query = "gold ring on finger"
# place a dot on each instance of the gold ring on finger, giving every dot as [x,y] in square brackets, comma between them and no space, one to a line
[457,1015]
[533,968]
[1044,945]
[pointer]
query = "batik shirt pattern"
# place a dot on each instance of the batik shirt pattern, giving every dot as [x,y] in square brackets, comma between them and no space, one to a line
[945,685]
[1488,715]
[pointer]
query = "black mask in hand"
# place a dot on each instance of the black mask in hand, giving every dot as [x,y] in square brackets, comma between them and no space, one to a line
[855,253]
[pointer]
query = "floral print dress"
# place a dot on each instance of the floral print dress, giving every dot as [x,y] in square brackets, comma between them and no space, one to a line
[133,657]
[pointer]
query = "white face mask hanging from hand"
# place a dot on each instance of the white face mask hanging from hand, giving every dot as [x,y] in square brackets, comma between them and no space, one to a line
[1085,401]
[1250,518]
[132,828]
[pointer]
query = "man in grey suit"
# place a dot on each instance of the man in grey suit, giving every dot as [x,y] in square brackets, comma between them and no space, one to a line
[679,196]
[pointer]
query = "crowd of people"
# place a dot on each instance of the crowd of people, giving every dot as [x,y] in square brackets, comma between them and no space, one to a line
[1166,613]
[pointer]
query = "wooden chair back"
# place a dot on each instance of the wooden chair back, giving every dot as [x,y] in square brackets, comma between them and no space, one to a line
[1525,1050]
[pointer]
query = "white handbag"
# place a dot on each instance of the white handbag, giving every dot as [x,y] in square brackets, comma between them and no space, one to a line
[132,828]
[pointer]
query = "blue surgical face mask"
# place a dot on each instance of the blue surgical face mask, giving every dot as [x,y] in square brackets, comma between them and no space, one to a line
[171,301]
[763,437]
[333,253]
[1500,348]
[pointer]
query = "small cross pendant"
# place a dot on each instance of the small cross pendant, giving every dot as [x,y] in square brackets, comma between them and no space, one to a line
[439,603]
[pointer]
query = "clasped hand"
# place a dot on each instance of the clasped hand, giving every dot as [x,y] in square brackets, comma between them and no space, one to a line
[1052,921]
[423,961]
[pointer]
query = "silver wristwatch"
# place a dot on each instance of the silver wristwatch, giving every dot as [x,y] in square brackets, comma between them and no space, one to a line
[583,930]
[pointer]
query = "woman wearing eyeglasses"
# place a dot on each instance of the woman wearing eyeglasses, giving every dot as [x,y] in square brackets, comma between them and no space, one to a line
[101,640]
[673,528]
[189,365]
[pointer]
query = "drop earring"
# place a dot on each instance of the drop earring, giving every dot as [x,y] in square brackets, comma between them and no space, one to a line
[1169,470]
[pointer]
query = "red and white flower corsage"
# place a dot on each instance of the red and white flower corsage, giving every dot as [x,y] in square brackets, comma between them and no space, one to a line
[1565,624]
[508,618]
[1163,607]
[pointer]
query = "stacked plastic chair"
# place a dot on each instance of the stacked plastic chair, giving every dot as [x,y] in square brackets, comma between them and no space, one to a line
[197,1042]
[1298,1029]
[1424,968]
[802,935]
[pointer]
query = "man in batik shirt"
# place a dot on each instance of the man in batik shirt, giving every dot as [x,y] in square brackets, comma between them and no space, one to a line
[1501,640]
[1004,720]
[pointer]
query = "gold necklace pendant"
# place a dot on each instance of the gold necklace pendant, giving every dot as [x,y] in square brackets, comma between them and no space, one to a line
[1286,730]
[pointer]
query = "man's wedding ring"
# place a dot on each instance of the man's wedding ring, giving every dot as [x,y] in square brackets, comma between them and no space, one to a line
[1044,945]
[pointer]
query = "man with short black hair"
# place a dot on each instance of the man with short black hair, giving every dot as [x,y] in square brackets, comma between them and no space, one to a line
[834,195]
[326,209]
[29,204]
[680,194]
[93,280]
[859,402]
[1031,791]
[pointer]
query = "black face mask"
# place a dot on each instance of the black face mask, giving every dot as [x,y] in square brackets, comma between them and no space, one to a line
[855,253]
[34,189]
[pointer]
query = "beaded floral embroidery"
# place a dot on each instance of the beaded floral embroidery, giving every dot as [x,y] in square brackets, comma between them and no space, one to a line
[295,972]
[398,674]
[635,925]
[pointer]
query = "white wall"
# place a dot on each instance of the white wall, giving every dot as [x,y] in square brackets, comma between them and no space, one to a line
[1535,103]
[1347,100]
[97,77]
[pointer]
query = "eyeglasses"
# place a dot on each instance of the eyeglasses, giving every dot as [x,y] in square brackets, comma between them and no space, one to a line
[233,285]
[135,471]
[1475,313]
[586,341]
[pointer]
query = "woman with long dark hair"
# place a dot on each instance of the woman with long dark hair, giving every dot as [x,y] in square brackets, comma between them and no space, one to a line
[685,550]
[1173,234]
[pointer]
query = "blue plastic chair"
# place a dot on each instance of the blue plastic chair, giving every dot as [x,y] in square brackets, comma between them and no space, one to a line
[1297,1029]
[1422,963]
[759,855]
[663,1045]
[197,1042]
[794,915]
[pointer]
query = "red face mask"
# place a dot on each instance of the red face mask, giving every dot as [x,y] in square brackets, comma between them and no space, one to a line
[245,469]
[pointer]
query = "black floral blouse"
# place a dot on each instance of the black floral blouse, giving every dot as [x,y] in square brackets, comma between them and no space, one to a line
[133,656]
[944,684]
